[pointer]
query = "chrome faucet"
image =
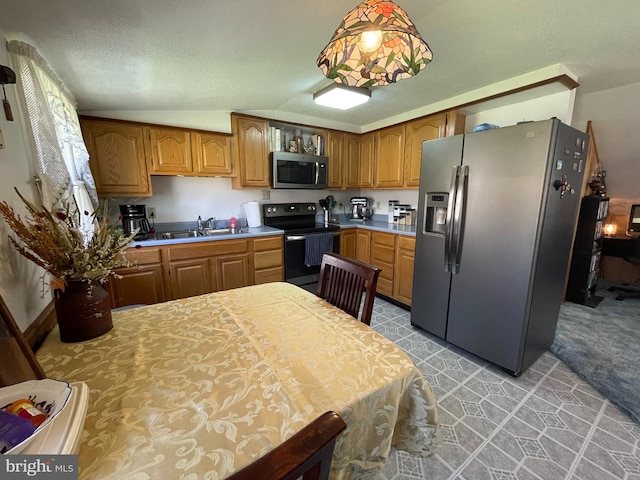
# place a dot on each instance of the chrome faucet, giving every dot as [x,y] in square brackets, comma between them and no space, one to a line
[208,223]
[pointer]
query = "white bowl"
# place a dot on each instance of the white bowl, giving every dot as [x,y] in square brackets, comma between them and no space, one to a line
[49,396]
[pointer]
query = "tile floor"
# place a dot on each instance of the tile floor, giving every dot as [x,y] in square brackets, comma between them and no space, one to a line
[547,424]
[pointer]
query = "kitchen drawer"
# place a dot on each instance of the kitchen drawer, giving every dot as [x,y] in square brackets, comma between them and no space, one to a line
[275,274]
[267,243]
[268,259]
[207,249]
[144,255]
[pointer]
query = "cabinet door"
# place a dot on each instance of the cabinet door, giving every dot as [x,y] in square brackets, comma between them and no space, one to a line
[383,248]
[403,269]
[389,157]
[191,277]
[251,152]
[232,271]
[348,243]
[363,245]
[352,162]
[367,159]
[336,151]
[137,285]
[211,153]
[418,131]
[117,158]
[170,151]
[268,259]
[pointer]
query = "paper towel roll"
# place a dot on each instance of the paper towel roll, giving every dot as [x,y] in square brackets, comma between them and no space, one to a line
[252,211]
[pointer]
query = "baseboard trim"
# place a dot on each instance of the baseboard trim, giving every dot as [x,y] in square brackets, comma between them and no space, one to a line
[41,326]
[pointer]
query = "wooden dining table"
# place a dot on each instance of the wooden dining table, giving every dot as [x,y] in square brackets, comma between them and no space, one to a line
[202,386]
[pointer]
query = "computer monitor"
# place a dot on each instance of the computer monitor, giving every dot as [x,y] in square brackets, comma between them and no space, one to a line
[634,220]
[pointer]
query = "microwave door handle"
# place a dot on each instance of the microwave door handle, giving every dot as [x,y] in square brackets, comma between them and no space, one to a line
[448,230]
[317,173]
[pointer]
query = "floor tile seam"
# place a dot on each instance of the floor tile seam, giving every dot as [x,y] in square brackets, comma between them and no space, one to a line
[520,463]
[502,424]
[461,384]
[588,437]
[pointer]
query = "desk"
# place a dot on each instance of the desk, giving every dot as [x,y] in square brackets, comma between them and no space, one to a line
[618,246]
[201,387]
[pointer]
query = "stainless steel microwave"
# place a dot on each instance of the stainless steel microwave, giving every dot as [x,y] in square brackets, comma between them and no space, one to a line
[298,170]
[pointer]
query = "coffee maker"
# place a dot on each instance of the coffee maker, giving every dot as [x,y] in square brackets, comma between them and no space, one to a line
[134,217]
[360,209]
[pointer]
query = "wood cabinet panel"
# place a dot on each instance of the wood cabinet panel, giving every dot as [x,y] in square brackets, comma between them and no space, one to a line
[363,245]
[404,261]
[336,151]
[268,259]
[368,160]
[117,157]
[211,153]
[383,257]
[348,243]
[416,132]
[232,271]
[170,151]
[352,162]
[250,152]
[191,277]
[141,285]
[389,163]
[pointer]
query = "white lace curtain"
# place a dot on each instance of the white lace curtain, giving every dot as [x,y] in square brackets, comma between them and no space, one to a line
[62,158]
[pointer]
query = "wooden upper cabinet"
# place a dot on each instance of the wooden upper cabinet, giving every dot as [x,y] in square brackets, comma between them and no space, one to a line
[367,160]
[250,152]
[352,162]
[336,149]
[389,157]
[211,153]
[416,132]
[117,157]
[170,150]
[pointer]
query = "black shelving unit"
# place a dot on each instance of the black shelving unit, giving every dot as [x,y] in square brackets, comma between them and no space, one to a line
[587,250]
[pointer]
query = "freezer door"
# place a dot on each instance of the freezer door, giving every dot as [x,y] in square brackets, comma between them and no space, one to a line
[430,299]
[501,222]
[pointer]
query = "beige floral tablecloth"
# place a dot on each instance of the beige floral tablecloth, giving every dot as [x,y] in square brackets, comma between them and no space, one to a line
[201,387]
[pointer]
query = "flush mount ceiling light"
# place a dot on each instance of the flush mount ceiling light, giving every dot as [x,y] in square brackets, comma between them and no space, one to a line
[341,96]
[376,44]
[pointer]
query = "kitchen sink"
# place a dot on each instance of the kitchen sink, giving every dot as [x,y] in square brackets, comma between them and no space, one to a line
[207,232]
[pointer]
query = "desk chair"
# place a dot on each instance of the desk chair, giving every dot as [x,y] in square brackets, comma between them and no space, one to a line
[308,453]
[342,282]
[633,258]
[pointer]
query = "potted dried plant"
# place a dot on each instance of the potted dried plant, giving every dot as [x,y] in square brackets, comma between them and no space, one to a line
[79,255]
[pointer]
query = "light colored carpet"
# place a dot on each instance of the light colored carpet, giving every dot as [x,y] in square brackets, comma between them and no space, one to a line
[602,346]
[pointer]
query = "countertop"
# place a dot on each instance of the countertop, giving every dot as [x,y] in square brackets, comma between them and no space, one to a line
[343,223]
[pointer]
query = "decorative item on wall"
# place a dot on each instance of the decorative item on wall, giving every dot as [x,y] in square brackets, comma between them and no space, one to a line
[375,44]
[79,259]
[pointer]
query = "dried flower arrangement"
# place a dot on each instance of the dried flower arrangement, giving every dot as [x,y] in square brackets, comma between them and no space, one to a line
[57,242]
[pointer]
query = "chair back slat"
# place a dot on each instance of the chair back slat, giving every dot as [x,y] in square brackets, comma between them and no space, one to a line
[344,281]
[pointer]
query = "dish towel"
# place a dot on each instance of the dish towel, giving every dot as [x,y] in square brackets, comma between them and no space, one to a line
[316,246]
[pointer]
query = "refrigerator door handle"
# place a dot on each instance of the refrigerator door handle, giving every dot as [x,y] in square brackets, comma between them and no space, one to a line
[461,192]
[448,231]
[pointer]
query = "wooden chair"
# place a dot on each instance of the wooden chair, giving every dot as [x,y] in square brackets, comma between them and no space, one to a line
[343,280]
[17,361]
[308,453]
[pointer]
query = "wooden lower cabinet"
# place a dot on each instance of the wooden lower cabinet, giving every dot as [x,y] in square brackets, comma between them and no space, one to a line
[170,272]
[383,253]
[268,259]
[141,283]
[363,245]
[348,242]
[403,268]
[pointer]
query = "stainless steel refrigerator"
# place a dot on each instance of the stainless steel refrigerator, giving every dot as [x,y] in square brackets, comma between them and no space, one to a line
[496,217]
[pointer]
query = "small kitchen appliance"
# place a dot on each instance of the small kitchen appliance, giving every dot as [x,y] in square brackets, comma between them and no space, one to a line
[134,218]
[360,209]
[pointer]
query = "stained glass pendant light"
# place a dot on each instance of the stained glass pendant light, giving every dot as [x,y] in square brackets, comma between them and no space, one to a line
[376,44]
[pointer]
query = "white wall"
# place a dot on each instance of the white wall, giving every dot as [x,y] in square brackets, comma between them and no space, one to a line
[20,280]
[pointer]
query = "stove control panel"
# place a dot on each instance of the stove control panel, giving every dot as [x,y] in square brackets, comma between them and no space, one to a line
[288,209]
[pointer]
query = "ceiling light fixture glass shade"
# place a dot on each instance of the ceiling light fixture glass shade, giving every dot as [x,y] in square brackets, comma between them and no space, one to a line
[342,97]
[376,44]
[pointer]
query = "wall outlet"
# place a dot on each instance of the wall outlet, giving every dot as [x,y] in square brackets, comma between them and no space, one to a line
[151,212]
[266,194]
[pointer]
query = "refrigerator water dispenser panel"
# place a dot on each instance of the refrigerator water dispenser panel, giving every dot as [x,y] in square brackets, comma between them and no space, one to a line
[435,220]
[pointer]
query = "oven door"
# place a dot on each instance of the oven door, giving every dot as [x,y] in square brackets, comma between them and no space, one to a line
[295,271]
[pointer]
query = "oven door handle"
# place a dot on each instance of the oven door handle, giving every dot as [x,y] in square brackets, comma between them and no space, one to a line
[293,238]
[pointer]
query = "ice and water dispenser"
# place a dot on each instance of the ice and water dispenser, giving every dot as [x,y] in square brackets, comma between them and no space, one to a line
[435,220]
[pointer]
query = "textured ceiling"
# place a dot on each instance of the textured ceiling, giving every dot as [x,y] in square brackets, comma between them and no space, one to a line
[248,55]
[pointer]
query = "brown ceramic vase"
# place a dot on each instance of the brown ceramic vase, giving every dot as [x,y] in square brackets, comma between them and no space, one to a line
[83,311]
